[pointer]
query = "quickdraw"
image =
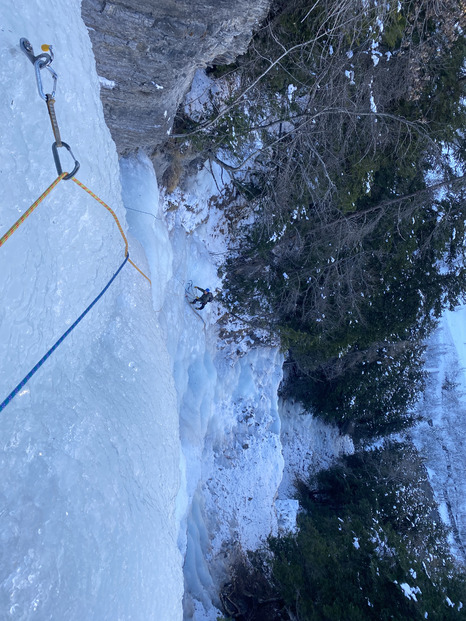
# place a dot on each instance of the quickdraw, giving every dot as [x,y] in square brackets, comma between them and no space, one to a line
[43,61]
[40,62]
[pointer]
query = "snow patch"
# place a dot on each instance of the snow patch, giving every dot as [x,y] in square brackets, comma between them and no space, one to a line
[105,83]
[410,592]
[308,445]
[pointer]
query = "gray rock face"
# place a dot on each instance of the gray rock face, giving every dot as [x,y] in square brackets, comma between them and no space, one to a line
[148,50]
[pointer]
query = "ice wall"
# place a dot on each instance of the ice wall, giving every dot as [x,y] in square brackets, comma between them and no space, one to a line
[90,447]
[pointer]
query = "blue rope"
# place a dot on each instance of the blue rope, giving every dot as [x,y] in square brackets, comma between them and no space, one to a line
[14,392]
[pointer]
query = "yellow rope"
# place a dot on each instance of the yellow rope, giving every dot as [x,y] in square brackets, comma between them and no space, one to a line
[140,271]
[50,101]
[99,200]
[27,213]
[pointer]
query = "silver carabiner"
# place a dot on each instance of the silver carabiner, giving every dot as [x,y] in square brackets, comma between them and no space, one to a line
[58,165]
[42,64]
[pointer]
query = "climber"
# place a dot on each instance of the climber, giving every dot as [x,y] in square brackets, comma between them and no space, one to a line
[204,299]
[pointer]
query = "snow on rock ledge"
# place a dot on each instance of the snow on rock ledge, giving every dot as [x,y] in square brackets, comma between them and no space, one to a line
[308,445]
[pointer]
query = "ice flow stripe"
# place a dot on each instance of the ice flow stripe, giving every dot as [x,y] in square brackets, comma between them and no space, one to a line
[16,390]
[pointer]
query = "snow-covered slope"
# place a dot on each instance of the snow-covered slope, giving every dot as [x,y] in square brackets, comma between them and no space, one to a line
[90,447]
[440,437]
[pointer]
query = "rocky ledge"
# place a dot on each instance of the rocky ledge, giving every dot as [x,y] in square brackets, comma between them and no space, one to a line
[147,52]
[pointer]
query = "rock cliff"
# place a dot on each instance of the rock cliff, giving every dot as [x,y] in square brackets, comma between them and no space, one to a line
[147,52]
